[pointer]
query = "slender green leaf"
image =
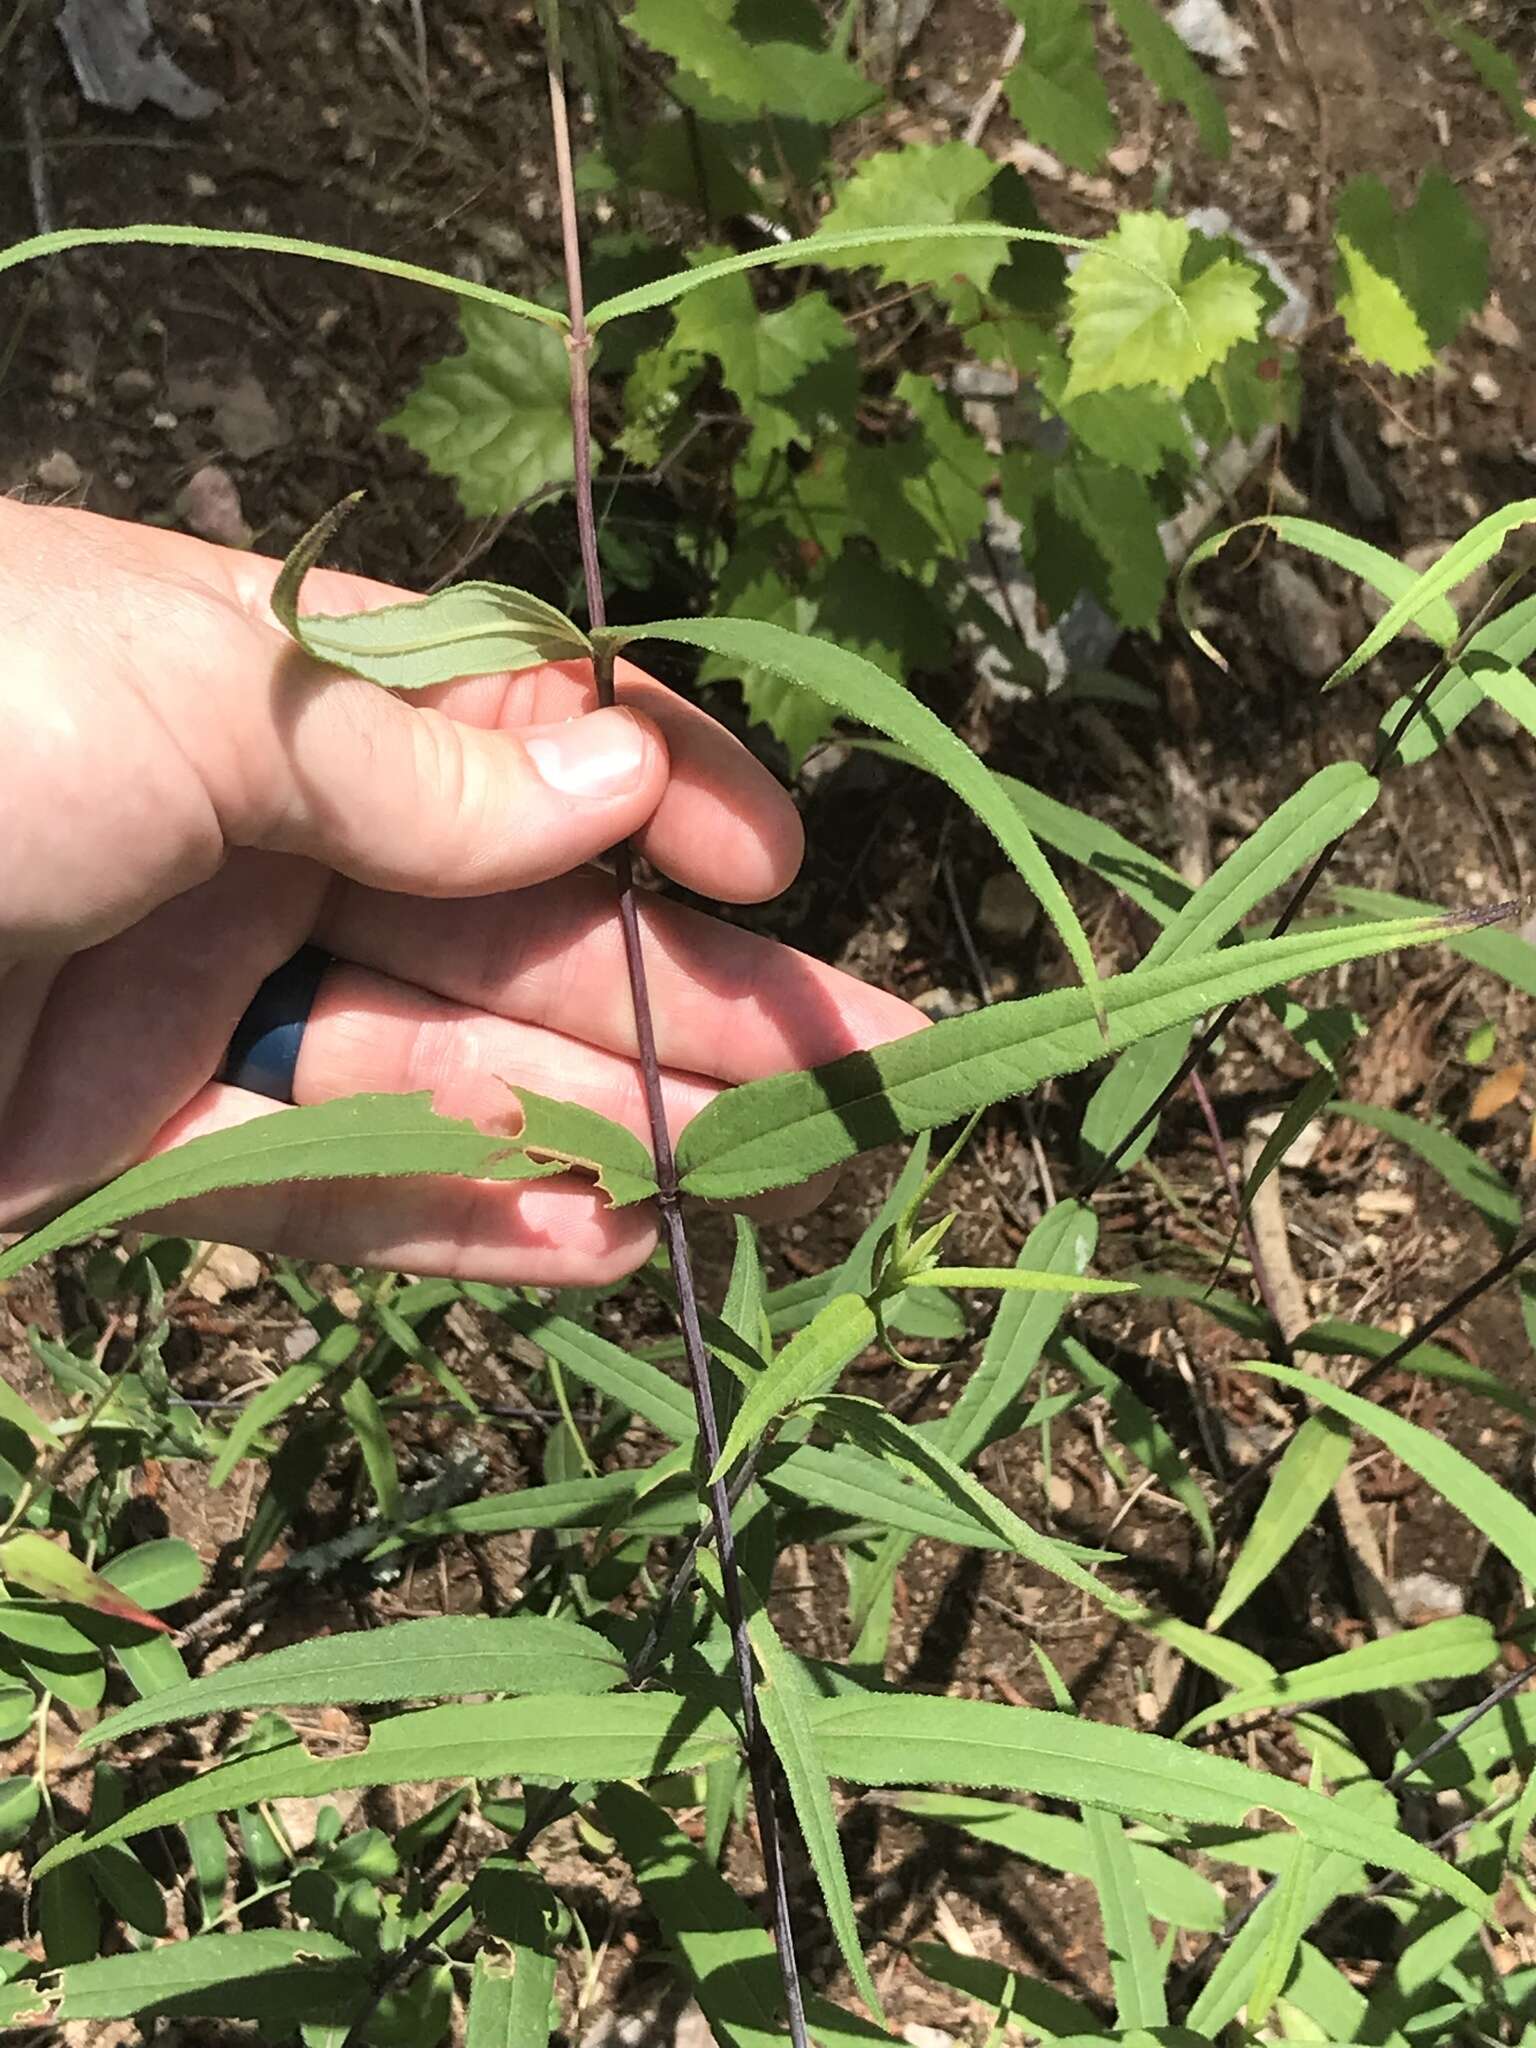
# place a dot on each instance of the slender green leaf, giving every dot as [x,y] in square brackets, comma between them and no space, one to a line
[783,1696]
[1505,954]
[1289,1921]
[811,249]
[809,1362]
[1134,1966]
[1459,561]
[1173,71]
[444,1656]
[1017,1280]
[1492,1509]
[1173,1891]
[726,1952]
[549,1735]
[853,1483]
[22,1415]
[360,1406]
[1495,67]
[268,1975]
[1383,572]
[468,629]
[1298,1486]
[907,1738]
[860,690]
[1303,1106]
[1141,1432]
[1462,1170]
[1055,89]
[774,1132]
[874,1427]
[615,1374]
[359,1137]
[1061,1242]
[292,1386]
[1459,1647]
[1038,2006]
[159,235]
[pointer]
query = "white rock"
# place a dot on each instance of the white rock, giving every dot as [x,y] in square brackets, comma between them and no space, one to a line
[59,471]
[1298,214]
[227,1269]
[916,2035]
[1495,325]
[1486,389]
[1205,27]
[1425,1593]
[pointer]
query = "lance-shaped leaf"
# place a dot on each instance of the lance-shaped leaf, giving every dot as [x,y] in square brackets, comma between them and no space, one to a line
[907,1739]
[1172,1890]
[158,234]
[1384,573]
[860,690]
[615,1374]
[1458,1647]
[511,1999]
[726,1952]
[808,1363]
[441,1657]
[276,1978]
[359,1137]
[777,1132]
[1298,1486]
[547,1735]
[1140,1997]
[470,629]
[38,1565]
[1500,1516]
[567,1134]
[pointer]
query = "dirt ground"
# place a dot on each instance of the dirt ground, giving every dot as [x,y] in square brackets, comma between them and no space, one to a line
[125,373]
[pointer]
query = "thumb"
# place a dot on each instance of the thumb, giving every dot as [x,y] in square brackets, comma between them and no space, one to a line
[403,797]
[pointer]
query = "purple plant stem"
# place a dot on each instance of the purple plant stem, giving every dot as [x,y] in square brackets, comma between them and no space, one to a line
[669,1201]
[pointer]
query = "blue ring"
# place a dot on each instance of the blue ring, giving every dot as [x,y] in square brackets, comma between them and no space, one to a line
[264,1051]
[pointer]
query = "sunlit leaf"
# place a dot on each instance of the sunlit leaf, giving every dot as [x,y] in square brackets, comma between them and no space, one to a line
[40,1565]
[773,1133]
[468,629]
[1139,318]
[443,1656]
[1300,1483]
[808,1364]
[496,417]
[919,185]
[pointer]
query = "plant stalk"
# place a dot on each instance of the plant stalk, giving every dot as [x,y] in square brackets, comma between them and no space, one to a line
[669,1201]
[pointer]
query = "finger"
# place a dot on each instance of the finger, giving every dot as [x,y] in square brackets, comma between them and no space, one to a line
[371,1034]
[728,1004]
[368,1034]
[547,1233]
[723,827]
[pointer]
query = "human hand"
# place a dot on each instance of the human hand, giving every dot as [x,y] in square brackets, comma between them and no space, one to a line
[190,798]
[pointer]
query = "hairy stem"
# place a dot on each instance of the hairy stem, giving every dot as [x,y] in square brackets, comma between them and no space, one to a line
[758,1753]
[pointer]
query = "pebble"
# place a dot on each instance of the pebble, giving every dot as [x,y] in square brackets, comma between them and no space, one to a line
[59,471]
[1006,908]
[1384,1205]
[1298,214]
[1426,1593]
[916,2035]
[227,1269]
[132,386]
[1495,325]
[1307,627]
[1486,389]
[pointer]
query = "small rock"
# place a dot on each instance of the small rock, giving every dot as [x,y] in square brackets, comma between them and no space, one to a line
[1495,325]
[1301,1151]
[59,471]
[208,504]
[201,186]
[1006,908]
[1486,389]
[132,386]
[1205,27]
[692,2030]
[1129,158]
[1298,214]
[916,2035]
[1147,1709]
[244,417]
[1383,1205]
[939,1003]
[227,1269]
[300,1341]
[1307,627]
[1058,1489]
[1422,1593]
